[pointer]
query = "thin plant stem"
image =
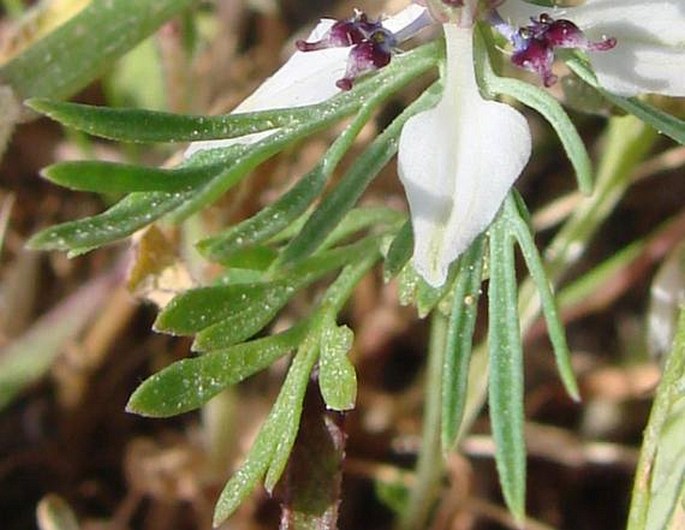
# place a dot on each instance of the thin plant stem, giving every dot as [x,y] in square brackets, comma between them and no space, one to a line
[430,466]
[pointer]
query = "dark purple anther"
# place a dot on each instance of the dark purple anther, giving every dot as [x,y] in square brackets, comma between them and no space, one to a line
[371,46]
[343,33]
[534,45]
[366,57]
[536,57]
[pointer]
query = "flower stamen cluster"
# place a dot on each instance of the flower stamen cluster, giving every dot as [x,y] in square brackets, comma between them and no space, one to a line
[372,46]
[535,44]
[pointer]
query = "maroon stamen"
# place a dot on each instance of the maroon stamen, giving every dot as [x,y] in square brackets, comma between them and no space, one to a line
[535,44]
[371,46]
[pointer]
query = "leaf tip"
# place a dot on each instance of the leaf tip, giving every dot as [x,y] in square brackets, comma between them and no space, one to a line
[44,240]
[40,105]
[574,393]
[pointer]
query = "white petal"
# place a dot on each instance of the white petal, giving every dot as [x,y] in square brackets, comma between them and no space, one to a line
[306,78]
[404,18]
[650,51]
[457,162]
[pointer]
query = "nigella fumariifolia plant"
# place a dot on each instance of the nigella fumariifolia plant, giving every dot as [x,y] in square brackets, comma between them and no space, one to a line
[460,150]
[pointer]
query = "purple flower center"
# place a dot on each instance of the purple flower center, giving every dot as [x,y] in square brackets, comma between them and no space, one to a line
[372,46]
[534,45]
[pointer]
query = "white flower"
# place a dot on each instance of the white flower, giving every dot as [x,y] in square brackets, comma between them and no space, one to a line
[649,56]
[458,161]
[306,78]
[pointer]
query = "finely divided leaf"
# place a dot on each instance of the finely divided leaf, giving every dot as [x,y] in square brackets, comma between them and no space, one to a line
[337,203]
[190,383]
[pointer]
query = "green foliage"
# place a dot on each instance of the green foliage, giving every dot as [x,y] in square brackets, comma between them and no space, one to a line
[337,377]
[76,52]
[506,368]
[336,204]
[459,342]
[297,242]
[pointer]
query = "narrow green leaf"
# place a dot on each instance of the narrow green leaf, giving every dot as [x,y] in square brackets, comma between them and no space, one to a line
[132,213]
[190,383]
[224,314]
[247,159]
[245,321]
[331,304]
[275,439]
[337,203]
[269,221]
[111,177]
[148,126]
[400,252]
[396,75]
[75,53]
[290,402]
[273,219]
[662,121]
[285,410]
[459,342]
[258,258]
[198,309]
[365,217]
[151,126]
[337,377]
[506,369]
[257,461]
[555,328]
[546,105]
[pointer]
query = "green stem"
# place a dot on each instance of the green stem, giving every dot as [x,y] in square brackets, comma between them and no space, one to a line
[429,467]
